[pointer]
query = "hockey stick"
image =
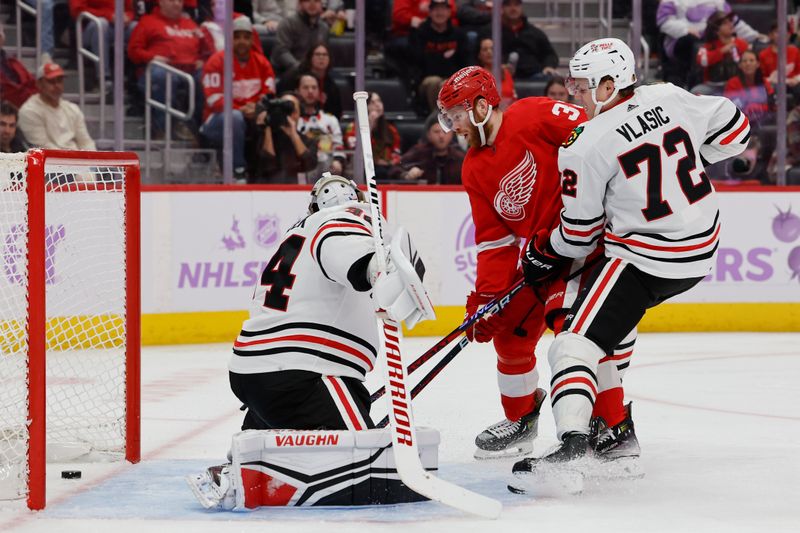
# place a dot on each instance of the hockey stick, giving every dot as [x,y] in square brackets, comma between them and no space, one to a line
[401,419]
[454,351]
[489,309]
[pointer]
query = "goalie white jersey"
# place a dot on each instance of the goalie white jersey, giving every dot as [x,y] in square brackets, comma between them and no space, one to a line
[634,175]
[312,310]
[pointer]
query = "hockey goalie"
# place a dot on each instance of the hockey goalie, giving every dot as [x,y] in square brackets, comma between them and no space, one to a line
[300,361]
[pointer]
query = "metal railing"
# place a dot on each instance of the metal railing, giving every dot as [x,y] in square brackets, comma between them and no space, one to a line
[165,106]
[34,12]
[99,61]
[605,23]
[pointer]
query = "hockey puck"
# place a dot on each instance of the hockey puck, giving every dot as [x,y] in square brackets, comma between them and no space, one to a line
[70,474]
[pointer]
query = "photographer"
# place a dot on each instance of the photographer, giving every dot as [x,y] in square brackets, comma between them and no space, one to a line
[285,152]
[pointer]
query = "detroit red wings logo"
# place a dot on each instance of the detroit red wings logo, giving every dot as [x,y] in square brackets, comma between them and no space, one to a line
[515,189]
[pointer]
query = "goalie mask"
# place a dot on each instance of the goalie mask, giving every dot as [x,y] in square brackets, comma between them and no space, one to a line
[332,190]
[598,59]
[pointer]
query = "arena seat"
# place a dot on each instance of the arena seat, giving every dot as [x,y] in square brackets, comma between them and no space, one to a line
[410,131]
[761,16]
[709,89]
[343,51]
[393,93]
[527,88]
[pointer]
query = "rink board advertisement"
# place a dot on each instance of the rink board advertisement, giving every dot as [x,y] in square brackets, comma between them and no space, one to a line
[203,253]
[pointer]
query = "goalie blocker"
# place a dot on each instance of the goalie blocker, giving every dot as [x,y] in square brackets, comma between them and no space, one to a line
[286,468]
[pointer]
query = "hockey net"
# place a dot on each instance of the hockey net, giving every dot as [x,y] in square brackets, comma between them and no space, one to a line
[69,312]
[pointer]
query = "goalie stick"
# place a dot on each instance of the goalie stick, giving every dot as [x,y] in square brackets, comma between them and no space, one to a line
[401,419]
[490,308]
[432,373]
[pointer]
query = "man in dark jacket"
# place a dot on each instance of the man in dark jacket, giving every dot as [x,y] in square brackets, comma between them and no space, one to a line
[537,58]
[298,33]
[438,49]
[11,139]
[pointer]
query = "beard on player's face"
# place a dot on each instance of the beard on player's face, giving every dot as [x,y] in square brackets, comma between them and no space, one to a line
[473,135]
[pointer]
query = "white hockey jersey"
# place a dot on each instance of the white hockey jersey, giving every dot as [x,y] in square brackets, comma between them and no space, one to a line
[312,310]
[634,175]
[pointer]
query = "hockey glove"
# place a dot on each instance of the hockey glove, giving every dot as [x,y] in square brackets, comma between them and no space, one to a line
[480,331]
[399,293]
[517,311]
[541,262]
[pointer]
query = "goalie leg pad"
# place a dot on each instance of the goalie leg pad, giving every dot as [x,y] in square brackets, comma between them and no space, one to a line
[314,468]
[573,388]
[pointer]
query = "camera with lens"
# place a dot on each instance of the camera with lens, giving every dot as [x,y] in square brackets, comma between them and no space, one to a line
[278,111]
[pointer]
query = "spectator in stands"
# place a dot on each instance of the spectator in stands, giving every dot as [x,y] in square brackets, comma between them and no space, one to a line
[47,37]
[11,139]
[485,56]
[683,23]
[385,138]
[286,154]
[214,38]
[253,78]
[16,83]
[333,14]
[557,89]
[793,137]
[475,15]
[768,58]
[168,35]
[435,159]
[438,49]
[317,61]
[751,92]
[719,56]
[47,120]
[297,33]
[537,58]
[320,126]
[410,14]
[269,13]
[104,10]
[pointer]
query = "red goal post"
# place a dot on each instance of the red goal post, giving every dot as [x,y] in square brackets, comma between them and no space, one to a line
[69,313]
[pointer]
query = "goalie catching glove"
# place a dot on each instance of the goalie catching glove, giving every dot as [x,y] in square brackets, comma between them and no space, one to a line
[541,262]
[399,292]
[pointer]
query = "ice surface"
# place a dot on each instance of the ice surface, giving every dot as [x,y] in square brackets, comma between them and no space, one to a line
[716,414]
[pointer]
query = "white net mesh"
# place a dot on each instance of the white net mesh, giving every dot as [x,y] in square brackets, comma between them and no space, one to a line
[85,293]
[13,326]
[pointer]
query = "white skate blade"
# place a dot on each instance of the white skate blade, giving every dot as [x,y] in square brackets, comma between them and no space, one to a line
[548,480]
[518,449]
[202,489]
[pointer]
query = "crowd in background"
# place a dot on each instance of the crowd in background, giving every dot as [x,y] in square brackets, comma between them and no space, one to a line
[288,119]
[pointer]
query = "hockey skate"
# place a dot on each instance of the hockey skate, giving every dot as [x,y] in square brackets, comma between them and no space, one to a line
[213,488]
[617,447]
[561,470]
[507,439]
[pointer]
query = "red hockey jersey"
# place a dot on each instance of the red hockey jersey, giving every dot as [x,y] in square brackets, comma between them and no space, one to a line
[514,186]
[180,41]
[251,81]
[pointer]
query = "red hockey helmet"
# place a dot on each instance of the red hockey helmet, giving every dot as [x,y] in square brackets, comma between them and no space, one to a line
[463,87]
